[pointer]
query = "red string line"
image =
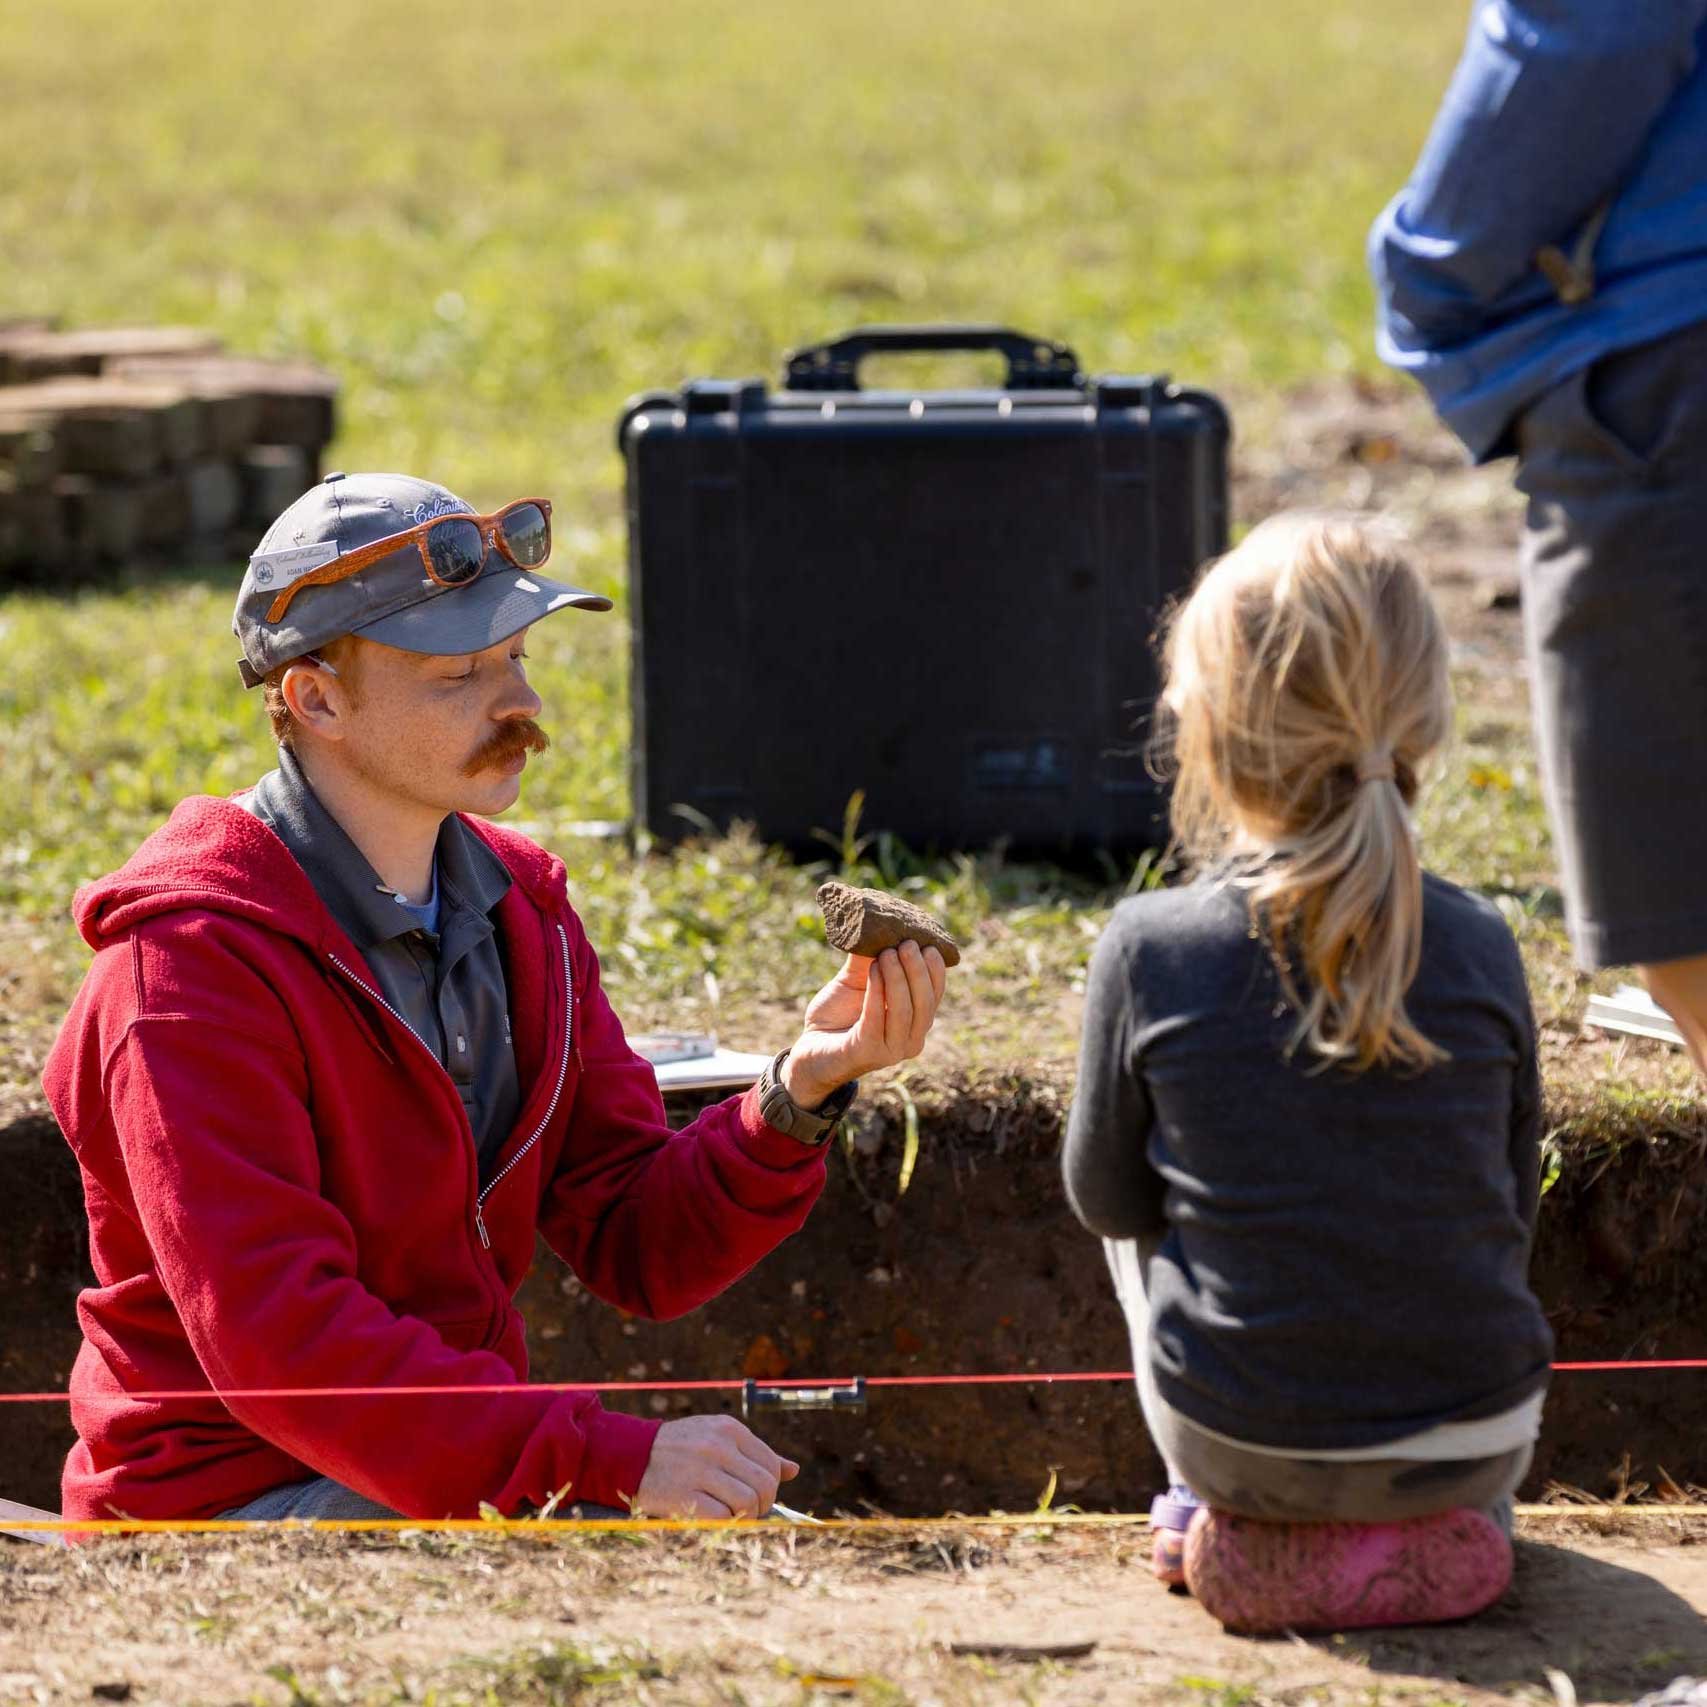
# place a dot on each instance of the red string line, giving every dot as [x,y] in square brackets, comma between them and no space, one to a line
[1005,1378]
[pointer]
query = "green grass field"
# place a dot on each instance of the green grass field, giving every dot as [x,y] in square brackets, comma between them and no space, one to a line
[495,225]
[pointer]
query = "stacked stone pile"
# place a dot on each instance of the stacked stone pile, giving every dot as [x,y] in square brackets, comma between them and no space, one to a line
[146,443]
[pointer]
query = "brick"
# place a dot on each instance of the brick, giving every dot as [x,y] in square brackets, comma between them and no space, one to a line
[215,498]
[231,411]
[165,508]
[18,329]
[32,536]
[296,401]
[274,477]
[103,520]
[29,450]
[113,427]
[47,355]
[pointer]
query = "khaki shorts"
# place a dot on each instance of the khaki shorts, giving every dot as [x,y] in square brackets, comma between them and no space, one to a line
[1613,461]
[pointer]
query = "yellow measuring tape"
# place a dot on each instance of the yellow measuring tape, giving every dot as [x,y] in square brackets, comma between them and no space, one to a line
[554,1525]
[682,1525]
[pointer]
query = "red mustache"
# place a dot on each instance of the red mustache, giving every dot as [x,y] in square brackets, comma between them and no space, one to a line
[520,735]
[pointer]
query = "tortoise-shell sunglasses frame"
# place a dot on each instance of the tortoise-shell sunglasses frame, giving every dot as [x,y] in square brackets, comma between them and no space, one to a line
[491,531]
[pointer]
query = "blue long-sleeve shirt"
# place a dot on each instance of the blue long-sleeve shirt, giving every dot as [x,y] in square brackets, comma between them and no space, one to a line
[1559,110]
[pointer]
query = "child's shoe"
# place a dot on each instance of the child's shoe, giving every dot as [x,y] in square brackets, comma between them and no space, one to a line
[1170,1516]
[1259,1578]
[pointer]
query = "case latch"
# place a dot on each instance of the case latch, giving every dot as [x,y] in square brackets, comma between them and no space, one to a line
[1132,391]
[722,396]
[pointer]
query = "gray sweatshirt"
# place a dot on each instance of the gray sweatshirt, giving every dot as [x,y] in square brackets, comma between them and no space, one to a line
[1344,1255]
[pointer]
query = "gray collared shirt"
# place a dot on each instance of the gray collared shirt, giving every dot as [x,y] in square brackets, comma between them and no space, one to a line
[450,987]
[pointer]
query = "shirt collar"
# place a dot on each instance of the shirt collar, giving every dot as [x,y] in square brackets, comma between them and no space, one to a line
[470,875]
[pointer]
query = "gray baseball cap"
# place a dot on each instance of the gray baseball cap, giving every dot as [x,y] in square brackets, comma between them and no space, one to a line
[393,600]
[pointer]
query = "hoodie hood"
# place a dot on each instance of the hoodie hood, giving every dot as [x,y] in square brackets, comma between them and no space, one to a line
[212,854]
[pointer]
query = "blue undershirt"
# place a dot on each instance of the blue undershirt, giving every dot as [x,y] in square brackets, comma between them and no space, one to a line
[427,914]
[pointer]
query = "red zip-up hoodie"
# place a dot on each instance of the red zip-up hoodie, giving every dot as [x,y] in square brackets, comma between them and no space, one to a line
[282,1194]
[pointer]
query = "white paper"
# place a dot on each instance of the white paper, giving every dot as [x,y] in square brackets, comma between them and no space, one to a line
[692,1061]
[1632,1010]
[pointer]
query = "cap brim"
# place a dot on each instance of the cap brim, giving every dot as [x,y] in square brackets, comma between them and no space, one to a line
[500,603]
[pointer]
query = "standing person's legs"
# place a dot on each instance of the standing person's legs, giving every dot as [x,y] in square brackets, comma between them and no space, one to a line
[1614,464]
[1680,987]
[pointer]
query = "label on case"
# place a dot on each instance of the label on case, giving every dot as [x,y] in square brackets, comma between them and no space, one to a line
[1029,762]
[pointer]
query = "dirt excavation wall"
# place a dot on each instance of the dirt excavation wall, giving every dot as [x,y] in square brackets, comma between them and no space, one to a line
[978,1267]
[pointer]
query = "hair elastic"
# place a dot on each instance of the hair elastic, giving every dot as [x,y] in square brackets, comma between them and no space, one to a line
[1375,767]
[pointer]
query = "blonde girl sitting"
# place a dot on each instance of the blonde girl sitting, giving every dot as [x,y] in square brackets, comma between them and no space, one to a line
[1306,1121]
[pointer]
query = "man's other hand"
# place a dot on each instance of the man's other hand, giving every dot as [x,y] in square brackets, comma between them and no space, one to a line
[873,1013]
[710,1467]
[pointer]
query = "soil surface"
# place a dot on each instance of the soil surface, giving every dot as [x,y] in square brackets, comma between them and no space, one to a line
[790,1618]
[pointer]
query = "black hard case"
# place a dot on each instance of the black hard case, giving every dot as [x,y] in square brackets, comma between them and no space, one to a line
[944,599]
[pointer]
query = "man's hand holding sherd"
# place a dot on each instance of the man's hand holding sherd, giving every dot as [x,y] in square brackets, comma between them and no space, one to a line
[873,1013]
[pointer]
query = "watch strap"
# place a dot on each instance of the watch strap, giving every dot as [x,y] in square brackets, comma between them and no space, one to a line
[811,1126]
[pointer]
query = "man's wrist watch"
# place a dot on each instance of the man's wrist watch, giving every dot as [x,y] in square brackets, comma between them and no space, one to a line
[811,1126]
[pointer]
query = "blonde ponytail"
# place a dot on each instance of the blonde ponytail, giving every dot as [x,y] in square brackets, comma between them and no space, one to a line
[1306,685]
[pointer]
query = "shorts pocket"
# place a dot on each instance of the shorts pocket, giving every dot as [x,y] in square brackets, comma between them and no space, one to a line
[1635,404]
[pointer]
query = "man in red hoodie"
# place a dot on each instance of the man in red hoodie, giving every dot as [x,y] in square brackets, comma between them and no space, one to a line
[343,1051]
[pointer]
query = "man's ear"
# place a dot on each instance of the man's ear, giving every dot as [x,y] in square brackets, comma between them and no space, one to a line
[316,699]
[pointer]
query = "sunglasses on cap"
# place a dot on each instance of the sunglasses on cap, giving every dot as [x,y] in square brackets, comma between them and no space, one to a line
[453,548]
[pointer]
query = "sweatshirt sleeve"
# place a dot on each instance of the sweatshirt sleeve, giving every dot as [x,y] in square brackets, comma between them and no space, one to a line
[1111,1186]
[1546,113]
[655,1221]
[263,1272]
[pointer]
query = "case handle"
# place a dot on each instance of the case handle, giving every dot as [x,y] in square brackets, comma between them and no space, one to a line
[1034,364]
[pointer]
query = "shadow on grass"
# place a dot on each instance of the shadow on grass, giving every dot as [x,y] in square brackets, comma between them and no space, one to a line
[1615,1631]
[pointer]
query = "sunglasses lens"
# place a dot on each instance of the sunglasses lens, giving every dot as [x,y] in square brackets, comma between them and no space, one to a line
[456,550]
[527,532]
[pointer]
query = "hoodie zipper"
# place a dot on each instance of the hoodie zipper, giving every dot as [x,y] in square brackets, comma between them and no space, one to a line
[562,1068]
[368,990]
[556,1094]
